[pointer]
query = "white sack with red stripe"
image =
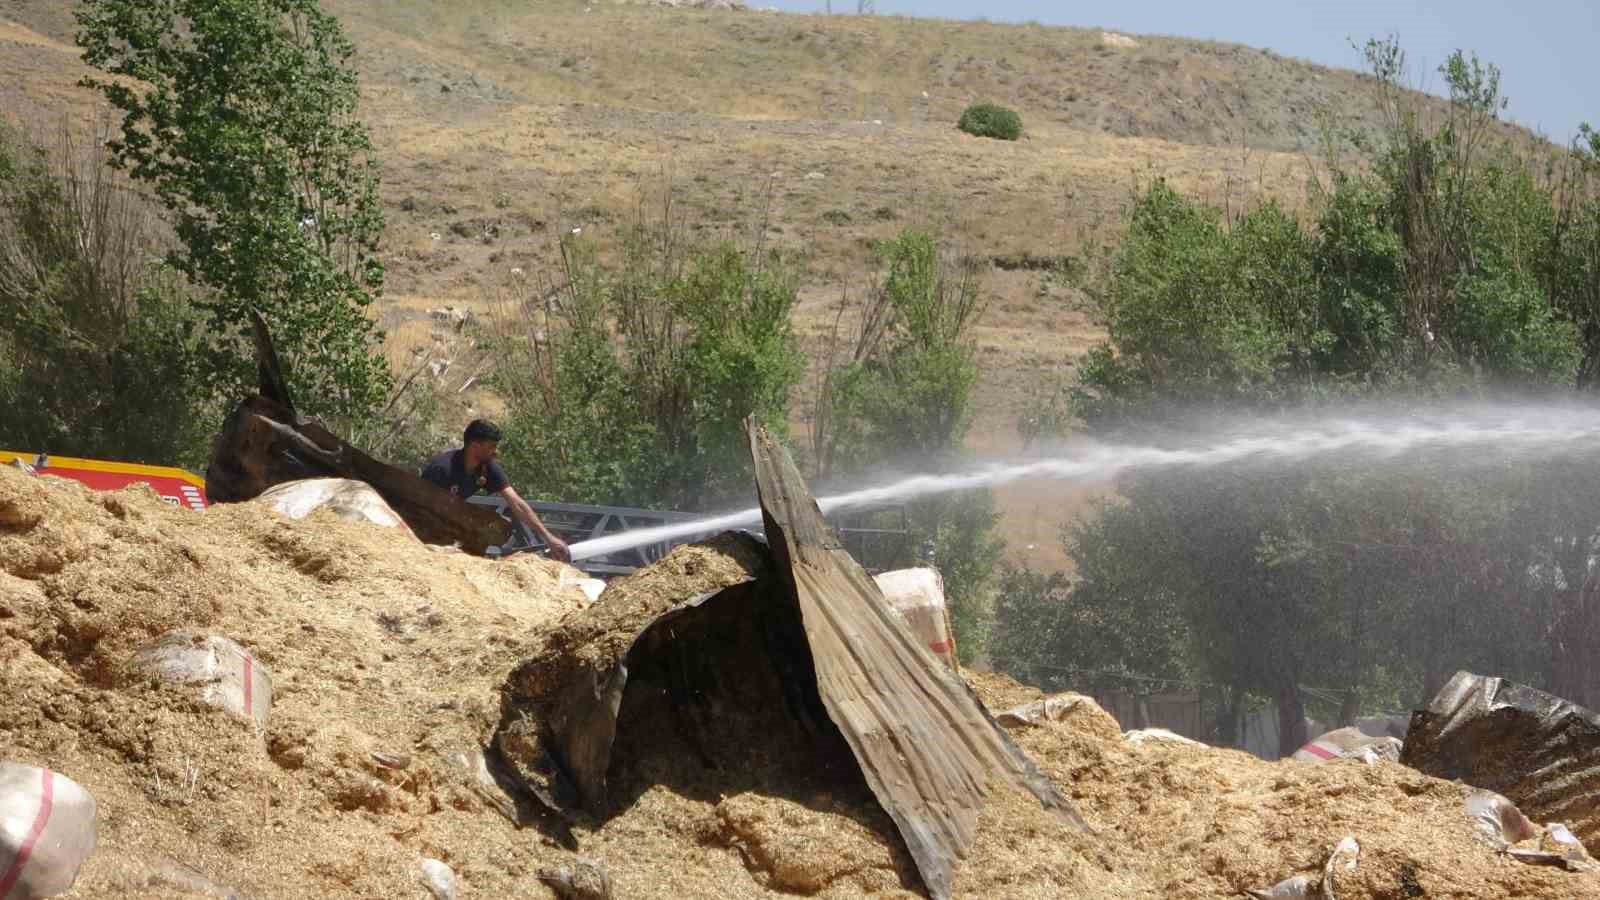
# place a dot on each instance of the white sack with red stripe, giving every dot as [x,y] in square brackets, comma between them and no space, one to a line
[918,596]
[1349,743]
[224,673]
[46,832]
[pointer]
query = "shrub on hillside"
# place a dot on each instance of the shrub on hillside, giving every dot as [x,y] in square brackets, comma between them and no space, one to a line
[632,388]
[992,121]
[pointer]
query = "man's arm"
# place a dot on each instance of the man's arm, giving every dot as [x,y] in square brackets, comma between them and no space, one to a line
[526,515]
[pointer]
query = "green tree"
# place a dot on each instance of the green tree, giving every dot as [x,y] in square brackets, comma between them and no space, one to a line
[908,394]
[1439,264]
[1571,272]
[1356,265]
[241,116]
[905,399]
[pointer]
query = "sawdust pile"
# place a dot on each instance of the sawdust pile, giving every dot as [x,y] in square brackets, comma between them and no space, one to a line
[1208,822]
[388,658]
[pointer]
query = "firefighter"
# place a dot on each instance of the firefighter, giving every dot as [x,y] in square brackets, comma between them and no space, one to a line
[472,468]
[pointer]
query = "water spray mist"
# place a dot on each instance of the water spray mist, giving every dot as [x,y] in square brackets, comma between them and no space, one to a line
[1509,432]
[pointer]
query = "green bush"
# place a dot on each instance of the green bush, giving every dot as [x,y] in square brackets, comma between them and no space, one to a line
[99,354]
[991,120]
[633,388]
[904,393]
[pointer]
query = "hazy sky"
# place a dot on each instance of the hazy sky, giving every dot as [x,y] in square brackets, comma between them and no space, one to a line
[1545,48]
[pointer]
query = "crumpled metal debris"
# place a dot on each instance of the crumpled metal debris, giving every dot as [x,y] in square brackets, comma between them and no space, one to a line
[1503,826]
[1300,887]
[1561,847]
[929,751]
[1537,750]
[835,657]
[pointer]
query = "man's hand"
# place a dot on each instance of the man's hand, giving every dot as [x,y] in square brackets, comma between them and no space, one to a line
[558,549]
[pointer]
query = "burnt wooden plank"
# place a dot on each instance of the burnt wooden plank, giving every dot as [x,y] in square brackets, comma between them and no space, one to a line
[264,442]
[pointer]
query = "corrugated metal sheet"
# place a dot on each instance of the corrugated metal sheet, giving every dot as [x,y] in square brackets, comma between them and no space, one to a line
[560,708]
[928,749]
[1537,749]
[847,666]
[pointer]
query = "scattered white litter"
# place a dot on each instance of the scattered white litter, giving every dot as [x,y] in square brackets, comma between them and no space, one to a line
[225,675]
[591,587]
[1344,858]
[438,879]
[1051,709]
[1143,736]
[1300,887]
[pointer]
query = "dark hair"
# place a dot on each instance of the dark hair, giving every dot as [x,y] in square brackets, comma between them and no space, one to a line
[480,430]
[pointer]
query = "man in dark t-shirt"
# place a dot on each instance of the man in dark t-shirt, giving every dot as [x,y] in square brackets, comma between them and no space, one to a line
[472,468]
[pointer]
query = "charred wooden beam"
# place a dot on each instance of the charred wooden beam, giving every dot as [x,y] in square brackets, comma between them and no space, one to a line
[265,442]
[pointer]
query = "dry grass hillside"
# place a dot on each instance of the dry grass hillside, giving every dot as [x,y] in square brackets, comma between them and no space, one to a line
[500,123]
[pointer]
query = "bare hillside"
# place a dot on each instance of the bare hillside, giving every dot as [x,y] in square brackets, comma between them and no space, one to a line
[899,70]
[500,124]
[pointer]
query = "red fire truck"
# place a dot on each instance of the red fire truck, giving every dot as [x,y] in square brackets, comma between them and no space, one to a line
[176,486]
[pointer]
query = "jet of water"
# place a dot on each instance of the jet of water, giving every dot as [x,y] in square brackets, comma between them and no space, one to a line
[1521,431]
